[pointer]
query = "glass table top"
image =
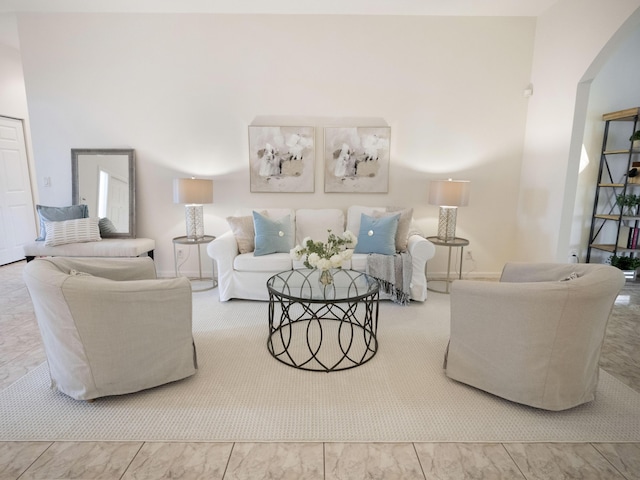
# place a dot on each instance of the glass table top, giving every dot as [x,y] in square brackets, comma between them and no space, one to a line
[304,284]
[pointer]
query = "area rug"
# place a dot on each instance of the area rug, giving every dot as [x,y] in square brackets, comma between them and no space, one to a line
[241,393]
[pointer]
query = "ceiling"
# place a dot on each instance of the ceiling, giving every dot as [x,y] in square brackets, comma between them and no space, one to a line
[338,7]
[484,8]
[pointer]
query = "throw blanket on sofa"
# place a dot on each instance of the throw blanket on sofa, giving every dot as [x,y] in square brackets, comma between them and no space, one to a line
[393,272]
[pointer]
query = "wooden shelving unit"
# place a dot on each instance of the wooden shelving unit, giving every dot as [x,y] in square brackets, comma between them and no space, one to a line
[613,180]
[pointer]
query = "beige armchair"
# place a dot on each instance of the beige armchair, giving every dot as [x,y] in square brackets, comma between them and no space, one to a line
[108,326]
[534,337]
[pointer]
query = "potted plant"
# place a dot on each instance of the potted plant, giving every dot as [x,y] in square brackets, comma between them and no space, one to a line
[325,256]
[627,264]
[630,201]
[635,138]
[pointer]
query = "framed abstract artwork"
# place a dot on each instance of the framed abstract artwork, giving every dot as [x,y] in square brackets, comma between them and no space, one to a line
[356,159]
[281,159]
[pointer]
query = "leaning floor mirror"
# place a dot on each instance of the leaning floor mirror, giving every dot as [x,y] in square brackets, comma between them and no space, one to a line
[104,180]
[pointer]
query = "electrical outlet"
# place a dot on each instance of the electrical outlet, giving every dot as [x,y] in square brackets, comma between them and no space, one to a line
[180,253]
[469,255]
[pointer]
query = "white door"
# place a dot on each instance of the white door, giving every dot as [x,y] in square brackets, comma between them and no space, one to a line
[118,204]
[113,199]
[17,219]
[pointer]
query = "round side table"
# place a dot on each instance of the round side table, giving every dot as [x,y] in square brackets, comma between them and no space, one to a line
[456,242]
[184,240]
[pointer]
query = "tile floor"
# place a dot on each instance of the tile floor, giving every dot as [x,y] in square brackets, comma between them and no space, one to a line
[21,351]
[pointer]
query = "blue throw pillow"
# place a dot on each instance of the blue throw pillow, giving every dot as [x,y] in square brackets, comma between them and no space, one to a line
[272,236]
[377,235]
[59,214]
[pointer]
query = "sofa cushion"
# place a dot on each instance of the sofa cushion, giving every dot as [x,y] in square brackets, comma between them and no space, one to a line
[72,231]
[58,214]
[315,223]
[359,262]
[276,262]
[272,236]
[377,235]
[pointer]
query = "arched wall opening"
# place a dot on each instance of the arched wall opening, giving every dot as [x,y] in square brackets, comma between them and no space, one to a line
[608,85]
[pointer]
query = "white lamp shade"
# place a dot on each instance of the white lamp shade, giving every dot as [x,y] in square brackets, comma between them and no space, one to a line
[192,191]
[450,193]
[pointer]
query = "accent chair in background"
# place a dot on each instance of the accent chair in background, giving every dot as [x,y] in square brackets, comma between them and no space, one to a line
[109,326]
[535,336]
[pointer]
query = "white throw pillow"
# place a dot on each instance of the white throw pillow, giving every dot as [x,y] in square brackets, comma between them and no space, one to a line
[72,231]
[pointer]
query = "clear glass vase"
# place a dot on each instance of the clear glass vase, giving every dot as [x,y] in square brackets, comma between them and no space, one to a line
[326,278]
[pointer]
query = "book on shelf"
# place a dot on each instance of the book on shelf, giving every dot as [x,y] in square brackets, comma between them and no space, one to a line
[628,237]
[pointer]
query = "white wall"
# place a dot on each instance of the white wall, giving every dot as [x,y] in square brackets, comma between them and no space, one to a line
[13,100]
[569,38]
[182,89]
[13,97]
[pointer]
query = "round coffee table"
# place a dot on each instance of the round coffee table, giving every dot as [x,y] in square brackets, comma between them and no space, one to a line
[323,329]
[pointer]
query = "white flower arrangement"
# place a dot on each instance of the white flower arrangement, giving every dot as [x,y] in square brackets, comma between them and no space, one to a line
[325,256]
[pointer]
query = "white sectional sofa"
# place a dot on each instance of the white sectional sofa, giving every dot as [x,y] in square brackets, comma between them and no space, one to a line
[244,275]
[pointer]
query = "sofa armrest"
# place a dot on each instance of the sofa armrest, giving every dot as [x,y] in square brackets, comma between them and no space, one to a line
[135,268]
[533,272]
[223,250]
[542,272]
[477,304]
[99,298]
[421,251]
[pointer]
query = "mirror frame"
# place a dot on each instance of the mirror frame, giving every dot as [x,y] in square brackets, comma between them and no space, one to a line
[130,153]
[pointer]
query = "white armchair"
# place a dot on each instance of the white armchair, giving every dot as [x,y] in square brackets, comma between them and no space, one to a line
[108,326]
[534,337]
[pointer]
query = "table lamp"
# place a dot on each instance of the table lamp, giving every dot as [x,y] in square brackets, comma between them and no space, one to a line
[193,193]
[448,195]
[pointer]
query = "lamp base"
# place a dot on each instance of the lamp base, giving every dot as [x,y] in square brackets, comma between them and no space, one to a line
[447,223]
[195,221]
